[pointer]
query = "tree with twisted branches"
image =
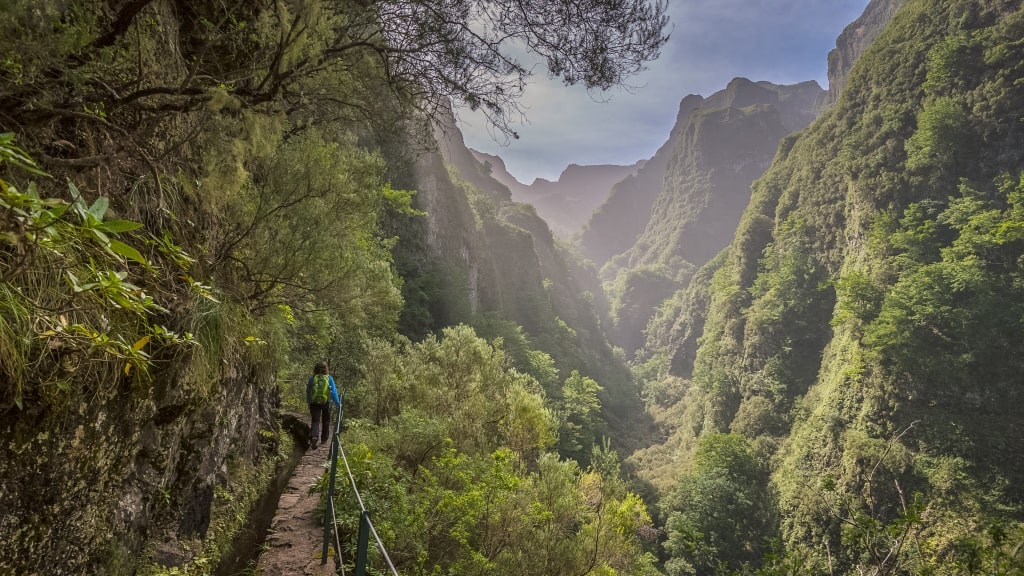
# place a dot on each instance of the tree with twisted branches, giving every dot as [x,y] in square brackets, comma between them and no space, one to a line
[260,52]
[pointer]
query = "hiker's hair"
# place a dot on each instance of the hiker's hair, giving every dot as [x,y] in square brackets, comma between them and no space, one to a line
[320,368]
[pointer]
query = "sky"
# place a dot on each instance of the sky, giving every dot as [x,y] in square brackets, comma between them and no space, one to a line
[712,42]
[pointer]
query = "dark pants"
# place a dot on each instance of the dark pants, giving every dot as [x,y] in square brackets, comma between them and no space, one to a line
[320,422]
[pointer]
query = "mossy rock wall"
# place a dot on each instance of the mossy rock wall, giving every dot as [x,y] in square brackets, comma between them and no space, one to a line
[86,485]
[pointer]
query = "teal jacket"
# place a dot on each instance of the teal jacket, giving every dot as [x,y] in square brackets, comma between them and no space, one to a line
[334,391]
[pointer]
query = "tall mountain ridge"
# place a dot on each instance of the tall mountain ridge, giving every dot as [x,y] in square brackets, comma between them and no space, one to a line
[851,43]
[684,206]
[858,332]
[725,145]
[721,147]
[616,223]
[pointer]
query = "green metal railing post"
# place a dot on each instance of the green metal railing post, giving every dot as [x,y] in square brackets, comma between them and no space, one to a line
[363,543]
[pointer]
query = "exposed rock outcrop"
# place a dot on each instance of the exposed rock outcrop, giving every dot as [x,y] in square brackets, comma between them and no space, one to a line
[854,40]
[615,225]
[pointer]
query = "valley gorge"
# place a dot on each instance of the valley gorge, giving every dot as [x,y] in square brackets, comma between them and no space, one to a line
[784,344]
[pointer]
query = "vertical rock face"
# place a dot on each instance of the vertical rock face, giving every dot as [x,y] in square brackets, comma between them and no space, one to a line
[720,148]
[82,488]
[724,145]
[452,147]
[620,223]
[854,40]
[615,225]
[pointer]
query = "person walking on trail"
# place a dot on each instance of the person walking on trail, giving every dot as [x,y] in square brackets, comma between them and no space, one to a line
[320,393]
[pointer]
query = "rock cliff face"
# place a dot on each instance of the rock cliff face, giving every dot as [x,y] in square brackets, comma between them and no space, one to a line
[615,225]
[452,146]
[85,486]
[721,147]
[618,223]
[854,40]
[724,145]
[100,458]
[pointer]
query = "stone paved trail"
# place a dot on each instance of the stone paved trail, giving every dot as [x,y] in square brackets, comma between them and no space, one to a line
[294,543]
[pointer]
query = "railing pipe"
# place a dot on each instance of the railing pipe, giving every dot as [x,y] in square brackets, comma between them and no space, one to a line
[330,519]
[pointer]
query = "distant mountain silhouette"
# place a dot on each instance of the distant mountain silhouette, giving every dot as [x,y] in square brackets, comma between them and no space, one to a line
[566,203]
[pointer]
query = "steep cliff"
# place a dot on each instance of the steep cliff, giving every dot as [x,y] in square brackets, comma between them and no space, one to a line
[854,40]
[852,328]
[721,148]
[616,223]
[476,259]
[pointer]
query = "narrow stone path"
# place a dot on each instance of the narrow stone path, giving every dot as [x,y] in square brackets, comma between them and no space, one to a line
[295,541]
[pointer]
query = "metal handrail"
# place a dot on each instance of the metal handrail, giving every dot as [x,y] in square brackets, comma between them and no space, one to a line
[365,525]
[329,526]
[365,516]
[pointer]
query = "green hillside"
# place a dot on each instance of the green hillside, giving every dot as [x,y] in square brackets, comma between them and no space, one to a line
[858,338]
[719,148]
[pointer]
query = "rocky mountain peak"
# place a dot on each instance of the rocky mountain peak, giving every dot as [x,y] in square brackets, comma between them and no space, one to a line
[855,39]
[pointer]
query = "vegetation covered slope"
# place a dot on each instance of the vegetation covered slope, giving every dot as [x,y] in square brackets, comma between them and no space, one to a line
[451,449]
[506,274]
[720,148]
[219,214]
[859,342]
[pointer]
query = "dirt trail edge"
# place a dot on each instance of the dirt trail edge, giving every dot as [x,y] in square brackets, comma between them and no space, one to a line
[294,544]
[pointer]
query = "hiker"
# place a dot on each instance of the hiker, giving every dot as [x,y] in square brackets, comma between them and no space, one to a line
[319,391]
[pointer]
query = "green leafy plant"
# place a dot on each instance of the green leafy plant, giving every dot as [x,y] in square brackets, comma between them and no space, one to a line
[79,266]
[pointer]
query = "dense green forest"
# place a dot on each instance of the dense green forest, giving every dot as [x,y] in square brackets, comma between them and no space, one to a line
[200,200]
[843,379]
